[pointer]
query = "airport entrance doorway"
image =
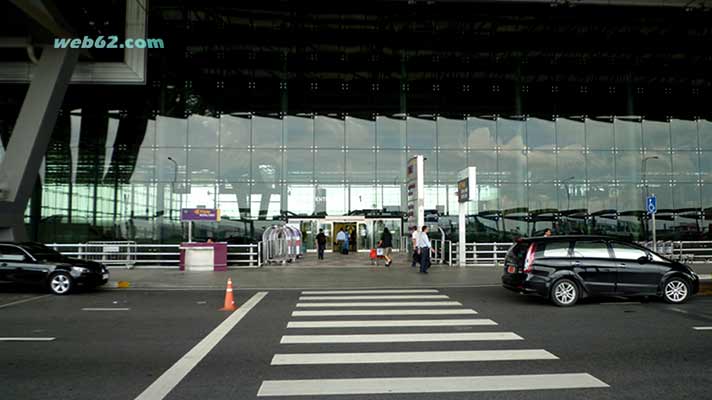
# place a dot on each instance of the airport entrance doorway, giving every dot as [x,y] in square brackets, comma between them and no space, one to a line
[364,232]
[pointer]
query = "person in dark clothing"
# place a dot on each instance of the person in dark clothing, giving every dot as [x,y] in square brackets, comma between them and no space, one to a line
[352,239]
[424,249]
[414,242]
[386,243]
[321,243]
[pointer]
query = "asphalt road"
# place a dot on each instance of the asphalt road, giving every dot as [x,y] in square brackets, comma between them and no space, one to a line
[640,350]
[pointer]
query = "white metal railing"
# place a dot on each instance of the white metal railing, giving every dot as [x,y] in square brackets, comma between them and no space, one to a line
[480,253]
[685,251]
[154,255]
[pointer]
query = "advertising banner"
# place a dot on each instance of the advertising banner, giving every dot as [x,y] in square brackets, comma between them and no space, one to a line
[200,214]
[415,191]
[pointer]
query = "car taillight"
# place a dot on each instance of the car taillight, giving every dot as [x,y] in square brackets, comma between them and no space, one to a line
[529,260]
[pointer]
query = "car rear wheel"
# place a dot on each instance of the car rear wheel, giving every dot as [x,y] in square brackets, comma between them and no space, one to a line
[61,283]
[676,291]
[564,293]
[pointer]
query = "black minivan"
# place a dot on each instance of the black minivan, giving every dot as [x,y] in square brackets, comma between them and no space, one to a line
[567,268]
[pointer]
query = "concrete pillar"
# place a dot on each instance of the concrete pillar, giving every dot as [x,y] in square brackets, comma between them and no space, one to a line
[31,136]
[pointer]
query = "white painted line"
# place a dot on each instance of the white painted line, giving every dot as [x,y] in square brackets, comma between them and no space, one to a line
[400,337]
[390,323]
[383,304]
[26,339]
[621,303]
[411,357]
[384,291]
[106,309]
[351,313]
[325,387]
[24,301]
[172,377]
[702,328]
[378,297]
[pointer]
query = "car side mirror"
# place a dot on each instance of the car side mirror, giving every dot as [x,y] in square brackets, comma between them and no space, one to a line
[643,260]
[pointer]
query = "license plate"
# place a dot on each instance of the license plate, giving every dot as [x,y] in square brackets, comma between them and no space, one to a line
[105,276]
[511,269]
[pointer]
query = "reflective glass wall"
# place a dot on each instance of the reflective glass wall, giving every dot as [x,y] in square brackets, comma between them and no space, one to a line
[575,175]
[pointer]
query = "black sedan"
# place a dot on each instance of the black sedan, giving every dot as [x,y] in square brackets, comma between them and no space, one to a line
[36,264]
[567,268]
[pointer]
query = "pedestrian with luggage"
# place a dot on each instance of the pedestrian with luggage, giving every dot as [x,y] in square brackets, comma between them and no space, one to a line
[386,243]
[424,249]
[321,243]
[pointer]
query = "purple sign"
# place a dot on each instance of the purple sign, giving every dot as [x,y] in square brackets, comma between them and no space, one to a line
[200,214]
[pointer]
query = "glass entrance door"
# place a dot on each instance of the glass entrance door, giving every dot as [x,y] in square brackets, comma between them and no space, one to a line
[328,228]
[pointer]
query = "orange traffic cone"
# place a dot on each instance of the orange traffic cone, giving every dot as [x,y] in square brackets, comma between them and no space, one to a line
[229,300]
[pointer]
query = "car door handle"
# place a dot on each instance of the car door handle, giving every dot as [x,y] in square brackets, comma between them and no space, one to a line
[576,263]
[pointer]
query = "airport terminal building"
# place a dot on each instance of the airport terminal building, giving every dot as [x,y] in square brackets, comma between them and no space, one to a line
[572,113]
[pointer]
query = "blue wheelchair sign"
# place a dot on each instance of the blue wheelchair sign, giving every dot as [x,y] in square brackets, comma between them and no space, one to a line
[651,204]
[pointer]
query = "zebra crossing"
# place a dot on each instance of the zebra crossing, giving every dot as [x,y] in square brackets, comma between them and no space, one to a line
[394,314]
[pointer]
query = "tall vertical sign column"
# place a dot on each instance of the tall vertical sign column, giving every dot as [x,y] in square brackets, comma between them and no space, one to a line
[415,186]
[466,187]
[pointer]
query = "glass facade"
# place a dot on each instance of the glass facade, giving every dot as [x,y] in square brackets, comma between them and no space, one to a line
[576,175]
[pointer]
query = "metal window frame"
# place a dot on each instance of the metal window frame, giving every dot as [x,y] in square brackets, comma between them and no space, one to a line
[132,70]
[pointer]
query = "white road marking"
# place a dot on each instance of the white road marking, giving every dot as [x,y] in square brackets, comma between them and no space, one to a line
[350,313]
[702,328]
[378,297]
[106,309]
[384,304]
[411,357]
[390,323]
[172,377]
[384,291]
[313,387]
[621,303]
[400,337]
[24,301]
[26,339]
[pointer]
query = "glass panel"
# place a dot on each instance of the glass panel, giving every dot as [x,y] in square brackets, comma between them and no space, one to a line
[171,132]
[486,163]
[487,197]
[203,164]
[601,197]
[452,133]
[203,131]
[361,165]
[628,134]
[542,166]
[573,195]
[555,250]
[430,164]
[421,133]
[360,133]
[706,166]
[145,167]
[625,252]
[328,132]
[628,166]
[686,195]
[660,169]
[300,199]
[329,165]
[543,196]
[570,134]
[599,134]
[705,133]
[572,163]
[391,166]
[541,134]
[656,135]
[686,166]
[481,133]
[235,165]
[684,134]
[590,250]
[235,131]
[389,196]
[362,197]
[267,165]
[512,196]
[167,170]
[266,200]
[511,133]
[512,166]
[390,132]
[631,197]
[201,195]
[335,199]
[706,197]
[299,132]
[266,132]
[600,166]
[299,165]
[233,199]
[450,162]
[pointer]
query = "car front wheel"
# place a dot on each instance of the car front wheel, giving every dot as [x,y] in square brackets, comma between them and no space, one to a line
[676,291]
[564,293]
[61,283]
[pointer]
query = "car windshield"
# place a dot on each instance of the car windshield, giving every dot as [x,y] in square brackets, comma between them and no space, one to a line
[43,253]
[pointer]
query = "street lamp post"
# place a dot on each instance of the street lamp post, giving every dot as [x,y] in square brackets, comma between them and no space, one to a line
[173,185]
[644,177]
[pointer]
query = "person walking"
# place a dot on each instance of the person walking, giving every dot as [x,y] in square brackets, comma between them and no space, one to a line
[340,239]
[424,250]
[414,243]
[320,243]
[386,243]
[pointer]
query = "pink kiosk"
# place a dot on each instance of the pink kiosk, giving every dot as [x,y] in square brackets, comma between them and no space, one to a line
[201,256]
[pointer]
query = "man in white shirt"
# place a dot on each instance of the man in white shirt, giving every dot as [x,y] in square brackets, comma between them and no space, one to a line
[414,242]
[424,249]
[341,240]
